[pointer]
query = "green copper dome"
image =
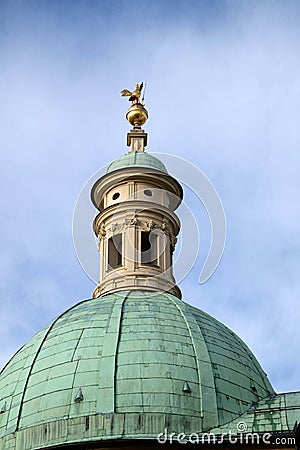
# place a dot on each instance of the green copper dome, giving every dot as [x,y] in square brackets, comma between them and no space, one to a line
[137,159]
[126,365]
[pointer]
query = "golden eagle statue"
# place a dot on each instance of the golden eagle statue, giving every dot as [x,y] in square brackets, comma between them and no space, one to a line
[134,96]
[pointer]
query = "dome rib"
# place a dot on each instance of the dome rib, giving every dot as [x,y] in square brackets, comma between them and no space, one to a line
[36,354]
[14,418]
[207,384]
[108,361]
[75,371]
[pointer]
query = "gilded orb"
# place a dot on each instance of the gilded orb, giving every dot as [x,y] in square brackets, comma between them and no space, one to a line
[137,114]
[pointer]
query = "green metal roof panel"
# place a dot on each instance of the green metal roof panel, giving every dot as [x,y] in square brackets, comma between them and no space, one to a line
[137,159]
[131,354]
[277,413]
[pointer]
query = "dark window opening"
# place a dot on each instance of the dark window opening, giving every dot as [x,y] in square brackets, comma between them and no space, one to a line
[149,248]
[115,251]
[116,195]
[148,192]
[169,260]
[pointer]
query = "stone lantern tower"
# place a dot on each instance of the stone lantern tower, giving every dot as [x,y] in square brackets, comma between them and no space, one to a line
[136,226]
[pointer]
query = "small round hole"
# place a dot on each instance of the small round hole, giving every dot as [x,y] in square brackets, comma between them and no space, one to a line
[148,192]
[116,195]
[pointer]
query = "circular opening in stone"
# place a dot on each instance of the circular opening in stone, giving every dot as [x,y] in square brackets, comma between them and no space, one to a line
[116,195]
[148,193]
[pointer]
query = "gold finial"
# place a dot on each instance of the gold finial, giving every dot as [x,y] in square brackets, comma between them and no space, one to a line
[137,114]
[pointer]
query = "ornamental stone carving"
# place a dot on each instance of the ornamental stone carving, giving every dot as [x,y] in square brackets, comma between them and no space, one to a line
[113,227]
[102,232]
[150,224]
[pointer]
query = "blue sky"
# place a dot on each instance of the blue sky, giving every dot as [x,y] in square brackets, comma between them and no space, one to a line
[223,92]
